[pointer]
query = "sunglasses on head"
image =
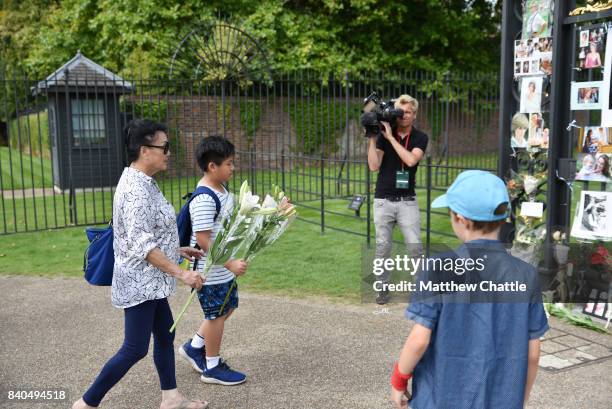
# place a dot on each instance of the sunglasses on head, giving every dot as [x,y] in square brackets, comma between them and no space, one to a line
[165,147]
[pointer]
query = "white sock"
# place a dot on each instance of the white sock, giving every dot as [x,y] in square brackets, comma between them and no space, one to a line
[197,341]
[212,362]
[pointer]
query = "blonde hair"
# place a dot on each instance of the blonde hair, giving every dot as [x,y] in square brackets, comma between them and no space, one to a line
[407,99]
[519,121]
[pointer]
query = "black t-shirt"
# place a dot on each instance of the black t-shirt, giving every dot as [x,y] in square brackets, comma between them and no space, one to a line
[391,163]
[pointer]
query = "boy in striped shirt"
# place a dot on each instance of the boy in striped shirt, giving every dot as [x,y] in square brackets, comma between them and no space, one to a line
[215,156]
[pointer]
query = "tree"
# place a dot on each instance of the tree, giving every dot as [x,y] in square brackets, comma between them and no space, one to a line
[325,35]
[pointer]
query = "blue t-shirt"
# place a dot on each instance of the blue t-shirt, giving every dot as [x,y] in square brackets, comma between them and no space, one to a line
[477,355]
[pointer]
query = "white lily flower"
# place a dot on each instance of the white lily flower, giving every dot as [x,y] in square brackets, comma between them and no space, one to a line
[268,202]
[530,183]
[243,189]
[266,211]
[249,202]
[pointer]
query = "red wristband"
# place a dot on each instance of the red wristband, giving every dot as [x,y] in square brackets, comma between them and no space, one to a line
[399,381]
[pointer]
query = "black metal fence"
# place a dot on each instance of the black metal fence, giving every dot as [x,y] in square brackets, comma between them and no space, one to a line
[63,142]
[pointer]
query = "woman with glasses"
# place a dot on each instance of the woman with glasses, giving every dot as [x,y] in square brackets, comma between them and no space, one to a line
[147,252]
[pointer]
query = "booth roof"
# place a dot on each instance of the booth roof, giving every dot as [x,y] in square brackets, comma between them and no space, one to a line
[80,71]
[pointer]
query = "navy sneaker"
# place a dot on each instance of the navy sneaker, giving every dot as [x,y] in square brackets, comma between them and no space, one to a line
[222,374]
[195,356]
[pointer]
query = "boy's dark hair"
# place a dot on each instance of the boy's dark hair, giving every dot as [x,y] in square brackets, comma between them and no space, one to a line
[214,149]
[140,132]
[488,227]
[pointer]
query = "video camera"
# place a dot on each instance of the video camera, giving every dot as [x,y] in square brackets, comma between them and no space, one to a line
[376,111]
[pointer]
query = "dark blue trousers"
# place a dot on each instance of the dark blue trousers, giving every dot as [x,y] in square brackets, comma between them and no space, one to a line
[140,321]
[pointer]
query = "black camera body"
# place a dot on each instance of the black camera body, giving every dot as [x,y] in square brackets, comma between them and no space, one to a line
[375,111]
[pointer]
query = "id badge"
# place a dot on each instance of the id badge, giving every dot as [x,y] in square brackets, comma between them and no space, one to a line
[402,179]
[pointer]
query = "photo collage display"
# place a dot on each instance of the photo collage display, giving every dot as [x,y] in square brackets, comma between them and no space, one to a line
[532,67]
[594,142]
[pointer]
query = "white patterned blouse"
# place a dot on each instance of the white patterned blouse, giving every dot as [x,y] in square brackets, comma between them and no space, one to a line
[142,220]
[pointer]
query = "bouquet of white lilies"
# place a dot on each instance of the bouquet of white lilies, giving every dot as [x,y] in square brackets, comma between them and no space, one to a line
[250,227]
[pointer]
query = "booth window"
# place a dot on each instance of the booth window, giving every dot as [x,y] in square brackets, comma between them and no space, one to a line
[88,125]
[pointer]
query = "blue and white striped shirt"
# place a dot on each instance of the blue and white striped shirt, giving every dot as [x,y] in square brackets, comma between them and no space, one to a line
[202,210]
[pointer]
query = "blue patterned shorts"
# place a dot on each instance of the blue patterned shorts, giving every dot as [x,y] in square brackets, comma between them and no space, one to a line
[212,297]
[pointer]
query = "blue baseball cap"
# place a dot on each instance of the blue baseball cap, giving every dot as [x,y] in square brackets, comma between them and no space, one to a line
[475,195]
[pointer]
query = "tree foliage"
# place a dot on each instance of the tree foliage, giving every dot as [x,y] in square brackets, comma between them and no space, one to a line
[325,35]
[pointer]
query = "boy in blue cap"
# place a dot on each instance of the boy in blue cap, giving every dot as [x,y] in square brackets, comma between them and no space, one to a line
[463,352]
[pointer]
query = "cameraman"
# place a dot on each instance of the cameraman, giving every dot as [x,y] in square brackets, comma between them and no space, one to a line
[396,153]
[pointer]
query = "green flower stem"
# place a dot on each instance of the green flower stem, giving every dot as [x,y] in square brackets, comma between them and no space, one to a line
[178,318]
[227,296]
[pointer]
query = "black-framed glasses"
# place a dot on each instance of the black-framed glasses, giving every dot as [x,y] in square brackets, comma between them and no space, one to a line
[165,147]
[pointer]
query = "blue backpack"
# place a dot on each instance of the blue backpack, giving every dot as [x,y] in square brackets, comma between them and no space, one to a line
[99,258]
[183,220]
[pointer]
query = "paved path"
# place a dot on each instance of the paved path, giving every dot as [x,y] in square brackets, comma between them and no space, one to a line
[57,333]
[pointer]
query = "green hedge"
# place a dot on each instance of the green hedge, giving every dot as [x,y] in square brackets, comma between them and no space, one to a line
[155,110]
[320,123]
[30,132]
[250,116]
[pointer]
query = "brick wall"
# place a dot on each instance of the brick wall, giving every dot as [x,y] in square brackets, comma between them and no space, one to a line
[201,116]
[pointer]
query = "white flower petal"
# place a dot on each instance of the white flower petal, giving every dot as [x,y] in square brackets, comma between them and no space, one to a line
[268,202]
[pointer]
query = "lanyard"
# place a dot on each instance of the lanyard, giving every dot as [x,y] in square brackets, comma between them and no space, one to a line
[405,145]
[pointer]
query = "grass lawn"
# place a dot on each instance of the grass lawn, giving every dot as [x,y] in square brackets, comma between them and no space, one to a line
[303,262]
[339,179]
[36,170]
[22,215]
[30,133]
[297,264]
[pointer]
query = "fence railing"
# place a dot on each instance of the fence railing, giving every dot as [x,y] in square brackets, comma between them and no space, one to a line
[63,153]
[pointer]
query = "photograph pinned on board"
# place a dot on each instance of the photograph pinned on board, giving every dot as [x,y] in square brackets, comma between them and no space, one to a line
[533,56]
[519,127]
[537,18]
[585,95]
[584,38]
[593,219]
[606,101]
[525,70]
[594,139]
[531,95]
[537,132]
[546,63]
[591,54]
[593,167]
